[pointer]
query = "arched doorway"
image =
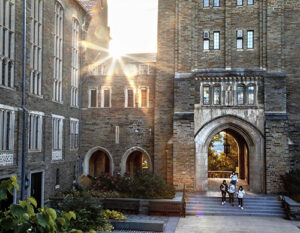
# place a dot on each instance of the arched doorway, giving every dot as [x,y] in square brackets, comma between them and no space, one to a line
[97,161]
[99,164]
[254,141]
[227,152]
[134,159]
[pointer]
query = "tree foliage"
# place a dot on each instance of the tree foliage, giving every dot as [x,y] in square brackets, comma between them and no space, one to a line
[221,161]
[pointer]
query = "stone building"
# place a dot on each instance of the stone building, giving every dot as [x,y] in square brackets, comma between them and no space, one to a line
[221,66]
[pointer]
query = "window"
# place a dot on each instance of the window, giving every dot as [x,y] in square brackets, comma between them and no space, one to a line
[217,95]
[239,2]
[143,69]
[239,39]
[129,98]
[93,98]
[250,2]
[7,42]
[144,97]
[251,94]
[105,97]
[117,135]
[57,137]
[240,95]
[58,53]
[205,3]
[36,39]
[216,3]
[75,63]
[216,40]
[74,131]
[57,186]
[206,40]
[7,124]
[35,131]
[250,44]
[206,95]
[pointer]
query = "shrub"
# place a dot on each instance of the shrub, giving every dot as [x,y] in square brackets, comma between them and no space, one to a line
[291,183]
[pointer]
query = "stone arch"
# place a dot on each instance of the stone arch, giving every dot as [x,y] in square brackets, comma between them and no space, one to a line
[89,155]
[129,152]
[253,138]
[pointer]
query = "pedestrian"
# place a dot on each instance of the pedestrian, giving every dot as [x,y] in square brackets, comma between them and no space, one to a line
[240,194]
[231,191]
[234,178]
[224,189]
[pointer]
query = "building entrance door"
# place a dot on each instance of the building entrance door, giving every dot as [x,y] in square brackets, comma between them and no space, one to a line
[36,187]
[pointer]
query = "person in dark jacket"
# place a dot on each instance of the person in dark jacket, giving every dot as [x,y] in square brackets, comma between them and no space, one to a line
[224,189]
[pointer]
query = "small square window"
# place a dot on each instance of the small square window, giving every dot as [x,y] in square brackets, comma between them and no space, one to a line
[239,2]
[216,3]
[250,2]
[206,44]
[205,3]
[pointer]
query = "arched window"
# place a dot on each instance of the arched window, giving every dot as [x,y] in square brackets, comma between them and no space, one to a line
[241,94]
[217,95]
[206,95]
[251,94]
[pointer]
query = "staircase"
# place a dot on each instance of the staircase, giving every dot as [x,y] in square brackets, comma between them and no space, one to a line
[267,206]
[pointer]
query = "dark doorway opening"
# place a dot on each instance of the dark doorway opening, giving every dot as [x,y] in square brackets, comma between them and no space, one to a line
[136,161]
[36,187]
[99,164]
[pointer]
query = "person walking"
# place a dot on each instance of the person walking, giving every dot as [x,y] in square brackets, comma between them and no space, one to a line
[224,189]
[231,191]
[234,178]
[240,194]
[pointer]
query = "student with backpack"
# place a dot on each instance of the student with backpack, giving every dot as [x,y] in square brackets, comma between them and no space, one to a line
[224,189]
[240,195]
[231,191]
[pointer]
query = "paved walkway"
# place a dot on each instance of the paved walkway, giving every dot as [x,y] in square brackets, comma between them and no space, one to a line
[230,224]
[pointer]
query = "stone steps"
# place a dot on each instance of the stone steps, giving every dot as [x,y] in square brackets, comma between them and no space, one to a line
[267,206]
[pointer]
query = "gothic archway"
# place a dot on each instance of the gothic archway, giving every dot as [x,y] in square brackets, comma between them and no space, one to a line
[99,158]
[253,138]
[133,159]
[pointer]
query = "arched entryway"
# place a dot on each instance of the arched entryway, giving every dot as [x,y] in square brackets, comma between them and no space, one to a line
[227,152]
[98,161]
[250,137]
[135,159]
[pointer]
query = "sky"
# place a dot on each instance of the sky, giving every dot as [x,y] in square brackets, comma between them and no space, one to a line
[133,25]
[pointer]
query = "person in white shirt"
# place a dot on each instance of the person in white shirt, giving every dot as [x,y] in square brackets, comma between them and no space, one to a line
[240,194]
[234,178]
[231,191]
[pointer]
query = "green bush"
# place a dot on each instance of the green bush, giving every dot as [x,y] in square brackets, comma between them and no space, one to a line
[89,215]
[144,184]
[24,217]
[291,183]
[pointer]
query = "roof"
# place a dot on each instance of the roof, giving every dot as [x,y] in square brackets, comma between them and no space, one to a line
[88,5]
[140,57]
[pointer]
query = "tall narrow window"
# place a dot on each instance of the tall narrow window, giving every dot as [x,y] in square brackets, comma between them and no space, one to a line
[75,63]
[216,40]
[216,3]
[74,132]
[206,40]
[93,98]
[205,3]
[144,97]
[217,95]
[241,95]
[239,2]
[251,94]
[250,2]
[57,137]
[129,98]
[58,53]
[7,42]
[7,123]
[35,131]
[36,39]
[206,95]
[250,44]
[117,135]
[239,39]
[106,96]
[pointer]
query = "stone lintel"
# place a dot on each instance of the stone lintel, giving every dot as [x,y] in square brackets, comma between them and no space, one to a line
[276,116]
[184,116]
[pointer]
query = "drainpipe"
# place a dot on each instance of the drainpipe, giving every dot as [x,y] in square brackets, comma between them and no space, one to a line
[23,163]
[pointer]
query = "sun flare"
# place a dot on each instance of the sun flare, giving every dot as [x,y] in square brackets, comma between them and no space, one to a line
[116,51]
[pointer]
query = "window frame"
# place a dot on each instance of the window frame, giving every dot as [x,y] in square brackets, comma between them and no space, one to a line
[239,38]
[74,134]
[244,94]
[209,94]
[37,134]
[147,96]
[57,137]
[126,97]
[75,64]
[252,38]
[103,89]
[90,97]
[239,1]
[205,5]
[216,5]
[218,44]
[251,3]
[254,94]
[7,133]
[213,100]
